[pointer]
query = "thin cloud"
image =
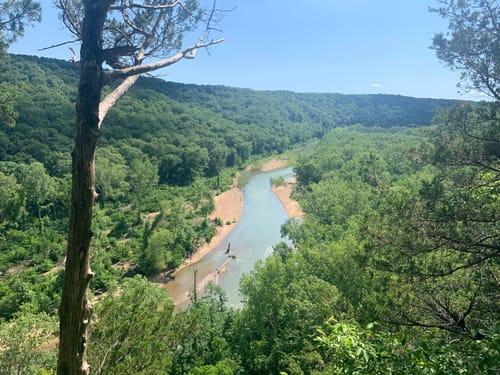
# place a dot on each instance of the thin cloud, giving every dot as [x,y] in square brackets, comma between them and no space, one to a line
[375,84]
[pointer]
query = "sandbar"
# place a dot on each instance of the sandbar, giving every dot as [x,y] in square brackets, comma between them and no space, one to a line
[229,208]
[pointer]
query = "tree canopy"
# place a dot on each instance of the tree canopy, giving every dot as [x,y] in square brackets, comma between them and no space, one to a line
[15,15]
[472,45]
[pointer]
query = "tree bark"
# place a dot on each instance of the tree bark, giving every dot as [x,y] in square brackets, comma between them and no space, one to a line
[75,310]
[115,95]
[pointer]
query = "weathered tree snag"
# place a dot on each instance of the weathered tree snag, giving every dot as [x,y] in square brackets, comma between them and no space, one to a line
[75,310]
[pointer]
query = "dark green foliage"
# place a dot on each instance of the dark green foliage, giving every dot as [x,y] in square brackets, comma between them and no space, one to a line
[29,291]
[352,349]
[21,341]
[8,98]
[473,46]
[167,120]
[178,229]
[446,220]
[322,111]
[202,336]
[225,367]
[405,226]
[14,17]
[131,333]
[10,202]
[283,308]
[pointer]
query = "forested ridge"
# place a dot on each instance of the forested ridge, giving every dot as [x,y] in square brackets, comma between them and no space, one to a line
[394,268]
[247,121]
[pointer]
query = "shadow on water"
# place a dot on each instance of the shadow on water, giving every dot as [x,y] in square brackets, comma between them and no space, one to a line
[253,238]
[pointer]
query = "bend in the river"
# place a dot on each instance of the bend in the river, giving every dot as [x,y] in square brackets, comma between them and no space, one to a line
[253,239]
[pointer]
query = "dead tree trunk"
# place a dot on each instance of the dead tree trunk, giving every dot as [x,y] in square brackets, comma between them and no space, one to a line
[75,309]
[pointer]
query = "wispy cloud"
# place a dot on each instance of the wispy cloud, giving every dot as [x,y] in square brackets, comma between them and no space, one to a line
[376,84]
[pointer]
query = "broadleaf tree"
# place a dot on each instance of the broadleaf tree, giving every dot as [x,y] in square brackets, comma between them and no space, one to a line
[120,40]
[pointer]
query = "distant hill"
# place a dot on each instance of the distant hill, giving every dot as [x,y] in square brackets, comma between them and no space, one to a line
[325,108]
[155,111]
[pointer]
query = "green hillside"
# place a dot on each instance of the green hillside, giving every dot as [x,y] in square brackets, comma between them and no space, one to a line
[247,122]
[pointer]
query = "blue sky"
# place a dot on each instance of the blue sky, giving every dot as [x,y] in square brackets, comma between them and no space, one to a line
[342,46]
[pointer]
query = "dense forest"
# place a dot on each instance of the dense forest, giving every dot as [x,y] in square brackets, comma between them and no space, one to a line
[244,121]
[394,268]
[162,140]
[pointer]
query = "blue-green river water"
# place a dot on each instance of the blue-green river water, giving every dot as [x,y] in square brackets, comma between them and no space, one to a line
[251,240]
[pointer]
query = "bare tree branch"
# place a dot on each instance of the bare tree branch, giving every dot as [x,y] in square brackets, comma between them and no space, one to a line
[113,97]
[146,6]
[58,45]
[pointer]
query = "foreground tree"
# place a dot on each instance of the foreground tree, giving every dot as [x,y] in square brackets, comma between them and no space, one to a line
[473,46]
[123,35]
[445,256]
[131,333]
[15,15]
[21,341]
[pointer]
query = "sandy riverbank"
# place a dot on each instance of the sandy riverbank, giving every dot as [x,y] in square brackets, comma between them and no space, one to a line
[229,207]
[284,193]
[274,164]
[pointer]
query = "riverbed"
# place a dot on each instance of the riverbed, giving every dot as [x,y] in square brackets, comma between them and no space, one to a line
[251,240]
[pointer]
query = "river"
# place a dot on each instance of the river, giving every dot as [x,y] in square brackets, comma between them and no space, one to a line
[251,240]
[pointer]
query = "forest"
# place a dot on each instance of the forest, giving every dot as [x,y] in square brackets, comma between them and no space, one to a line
[394,268]
[384,272]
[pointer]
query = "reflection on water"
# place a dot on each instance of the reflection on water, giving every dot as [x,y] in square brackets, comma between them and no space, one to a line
[252,239]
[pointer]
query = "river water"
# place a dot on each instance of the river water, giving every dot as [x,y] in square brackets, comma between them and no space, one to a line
[251,240]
